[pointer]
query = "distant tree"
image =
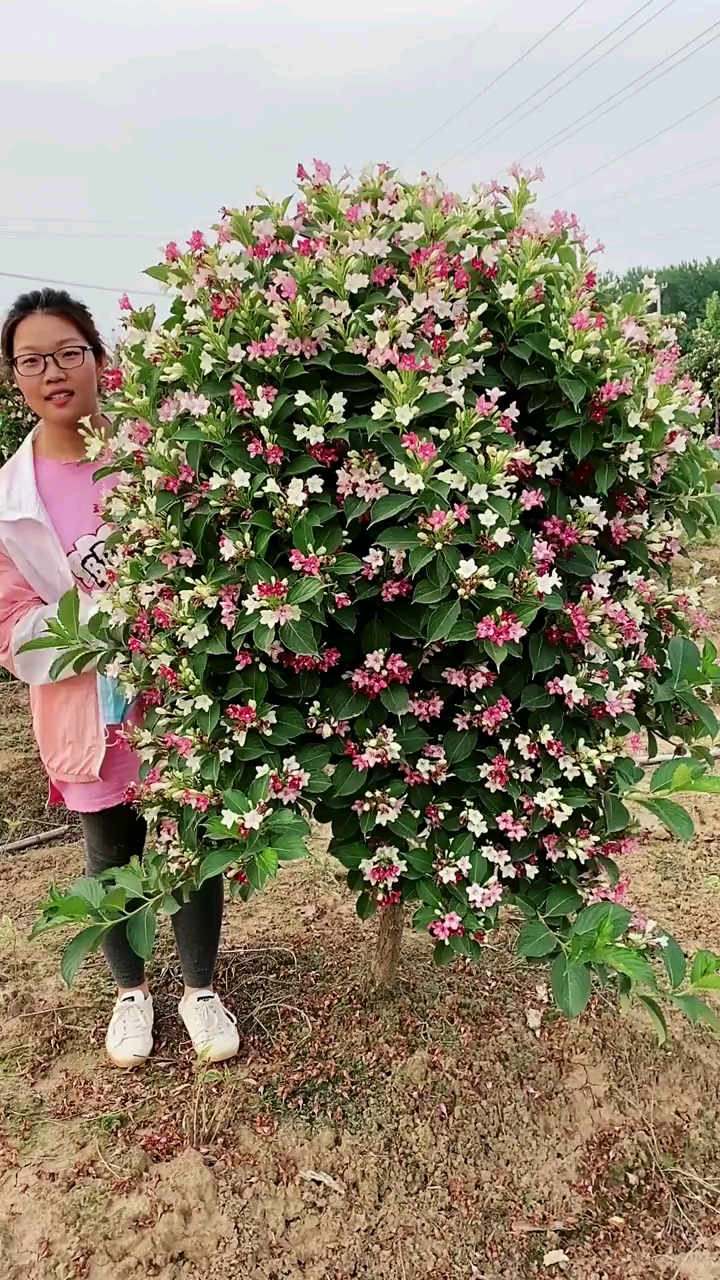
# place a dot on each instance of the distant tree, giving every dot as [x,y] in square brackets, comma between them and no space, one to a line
[703,356]
[685,288]
[15,418]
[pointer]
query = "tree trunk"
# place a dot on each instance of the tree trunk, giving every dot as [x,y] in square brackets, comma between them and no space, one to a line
[387,954]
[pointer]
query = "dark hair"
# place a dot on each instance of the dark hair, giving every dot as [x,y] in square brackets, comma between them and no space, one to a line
[54,302]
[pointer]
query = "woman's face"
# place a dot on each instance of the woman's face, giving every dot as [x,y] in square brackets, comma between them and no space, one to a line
[60,396]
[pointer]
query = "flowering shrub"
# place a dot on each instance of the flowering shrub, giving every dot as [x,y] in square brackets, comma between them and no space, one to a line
[15,418]
[393,549]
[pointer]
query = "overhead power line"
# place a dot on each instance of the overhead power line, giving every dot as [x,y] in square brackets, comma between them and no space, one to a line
[75,284]
[585,177]
[496,80]
[648,184]
[450,162]
[678,195]
[594,114]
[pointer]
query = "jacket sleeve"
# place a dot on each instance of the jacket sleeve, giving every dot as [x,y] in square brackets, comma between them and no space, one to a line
[23,617]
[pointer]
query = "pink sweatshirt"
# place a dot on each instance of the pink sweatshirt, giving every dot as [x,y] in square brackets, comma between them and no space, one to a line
[51,538]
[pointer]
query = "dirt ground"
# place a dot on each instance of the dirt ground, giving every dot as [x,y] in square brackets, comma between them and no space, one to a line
[457,1129]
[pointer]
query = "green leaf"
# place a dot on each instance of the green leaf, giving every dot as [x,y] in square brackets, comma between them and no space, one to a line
[141,929]
[696,1010]
[391,505]
[542,654]
[672,815]
[573,388]
[704,963]
[626,960]
[347,780]
[365,906]
[305,589]
[606,920]
[299,637]
[657,1017]
[570,982]
[345,563]
[459,744]
[582,440]
[442,620]
[430,894]
[684,658]
[68,611]
[664,776]
[213,864]
[535,696]
[673,958]
[395,699]
[91,890]
[617,817]
[78,948]
[535,939]
[562,900]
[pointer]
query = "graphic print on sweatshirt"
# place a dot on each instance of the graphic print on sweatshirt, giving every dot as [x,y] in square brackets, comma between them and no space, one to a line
[87,560]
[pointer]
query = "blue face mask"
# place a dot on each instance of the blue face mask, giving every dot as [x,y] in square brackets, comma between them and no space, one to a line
[113,703]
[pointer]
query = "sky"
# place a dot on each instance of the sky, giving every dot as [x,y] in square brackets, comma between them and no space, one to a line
[127,123]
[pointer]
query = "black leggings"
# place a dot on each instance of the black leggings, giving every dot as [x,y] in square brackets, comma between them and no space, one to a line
[112,838]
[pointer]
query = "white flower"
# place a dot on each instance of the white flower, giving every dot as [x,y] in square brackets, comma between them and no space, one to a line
[206,362]
[356,280]
[203,702]
[337,404]
[262,408]
[241,479]
[314,484]
[296,492]
[405,413]
[488,518]
[415,482]
[302,398]
[236,353]
[478,493]
[253,819]
[547,582]
[508,291]
[501,537]
[229,819]
[271,485]
[399,473]
[476,823]
[379,410]
[466,569]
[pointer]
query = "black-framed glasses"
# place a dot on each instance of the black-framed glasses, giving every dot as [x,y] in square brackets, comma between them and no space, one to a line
[33,365]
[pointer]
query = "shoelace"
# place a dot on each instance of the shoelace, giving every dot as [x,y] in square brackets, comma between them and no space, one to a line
[212,1016]
[130,1020]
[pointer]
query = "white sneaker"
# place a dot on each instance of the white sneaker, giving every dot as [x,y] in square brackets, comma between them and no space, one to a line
[211,1027]
[129,1038]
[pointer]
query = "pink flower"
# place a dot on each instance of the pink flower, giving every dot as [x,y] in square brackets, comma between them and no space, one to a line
[342,600]
[243,658]
[124,303]
[461,512]
[112,379]
[426,451]
[187,557]
[322,171]
[530,498]
[172,253]
[580,320]
[274,455]
[240,398]
[451,926]
[197,241]
[256,448]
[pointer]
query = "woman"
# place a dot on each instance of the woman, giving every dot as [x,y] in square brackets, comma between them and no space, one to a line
[51,537]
